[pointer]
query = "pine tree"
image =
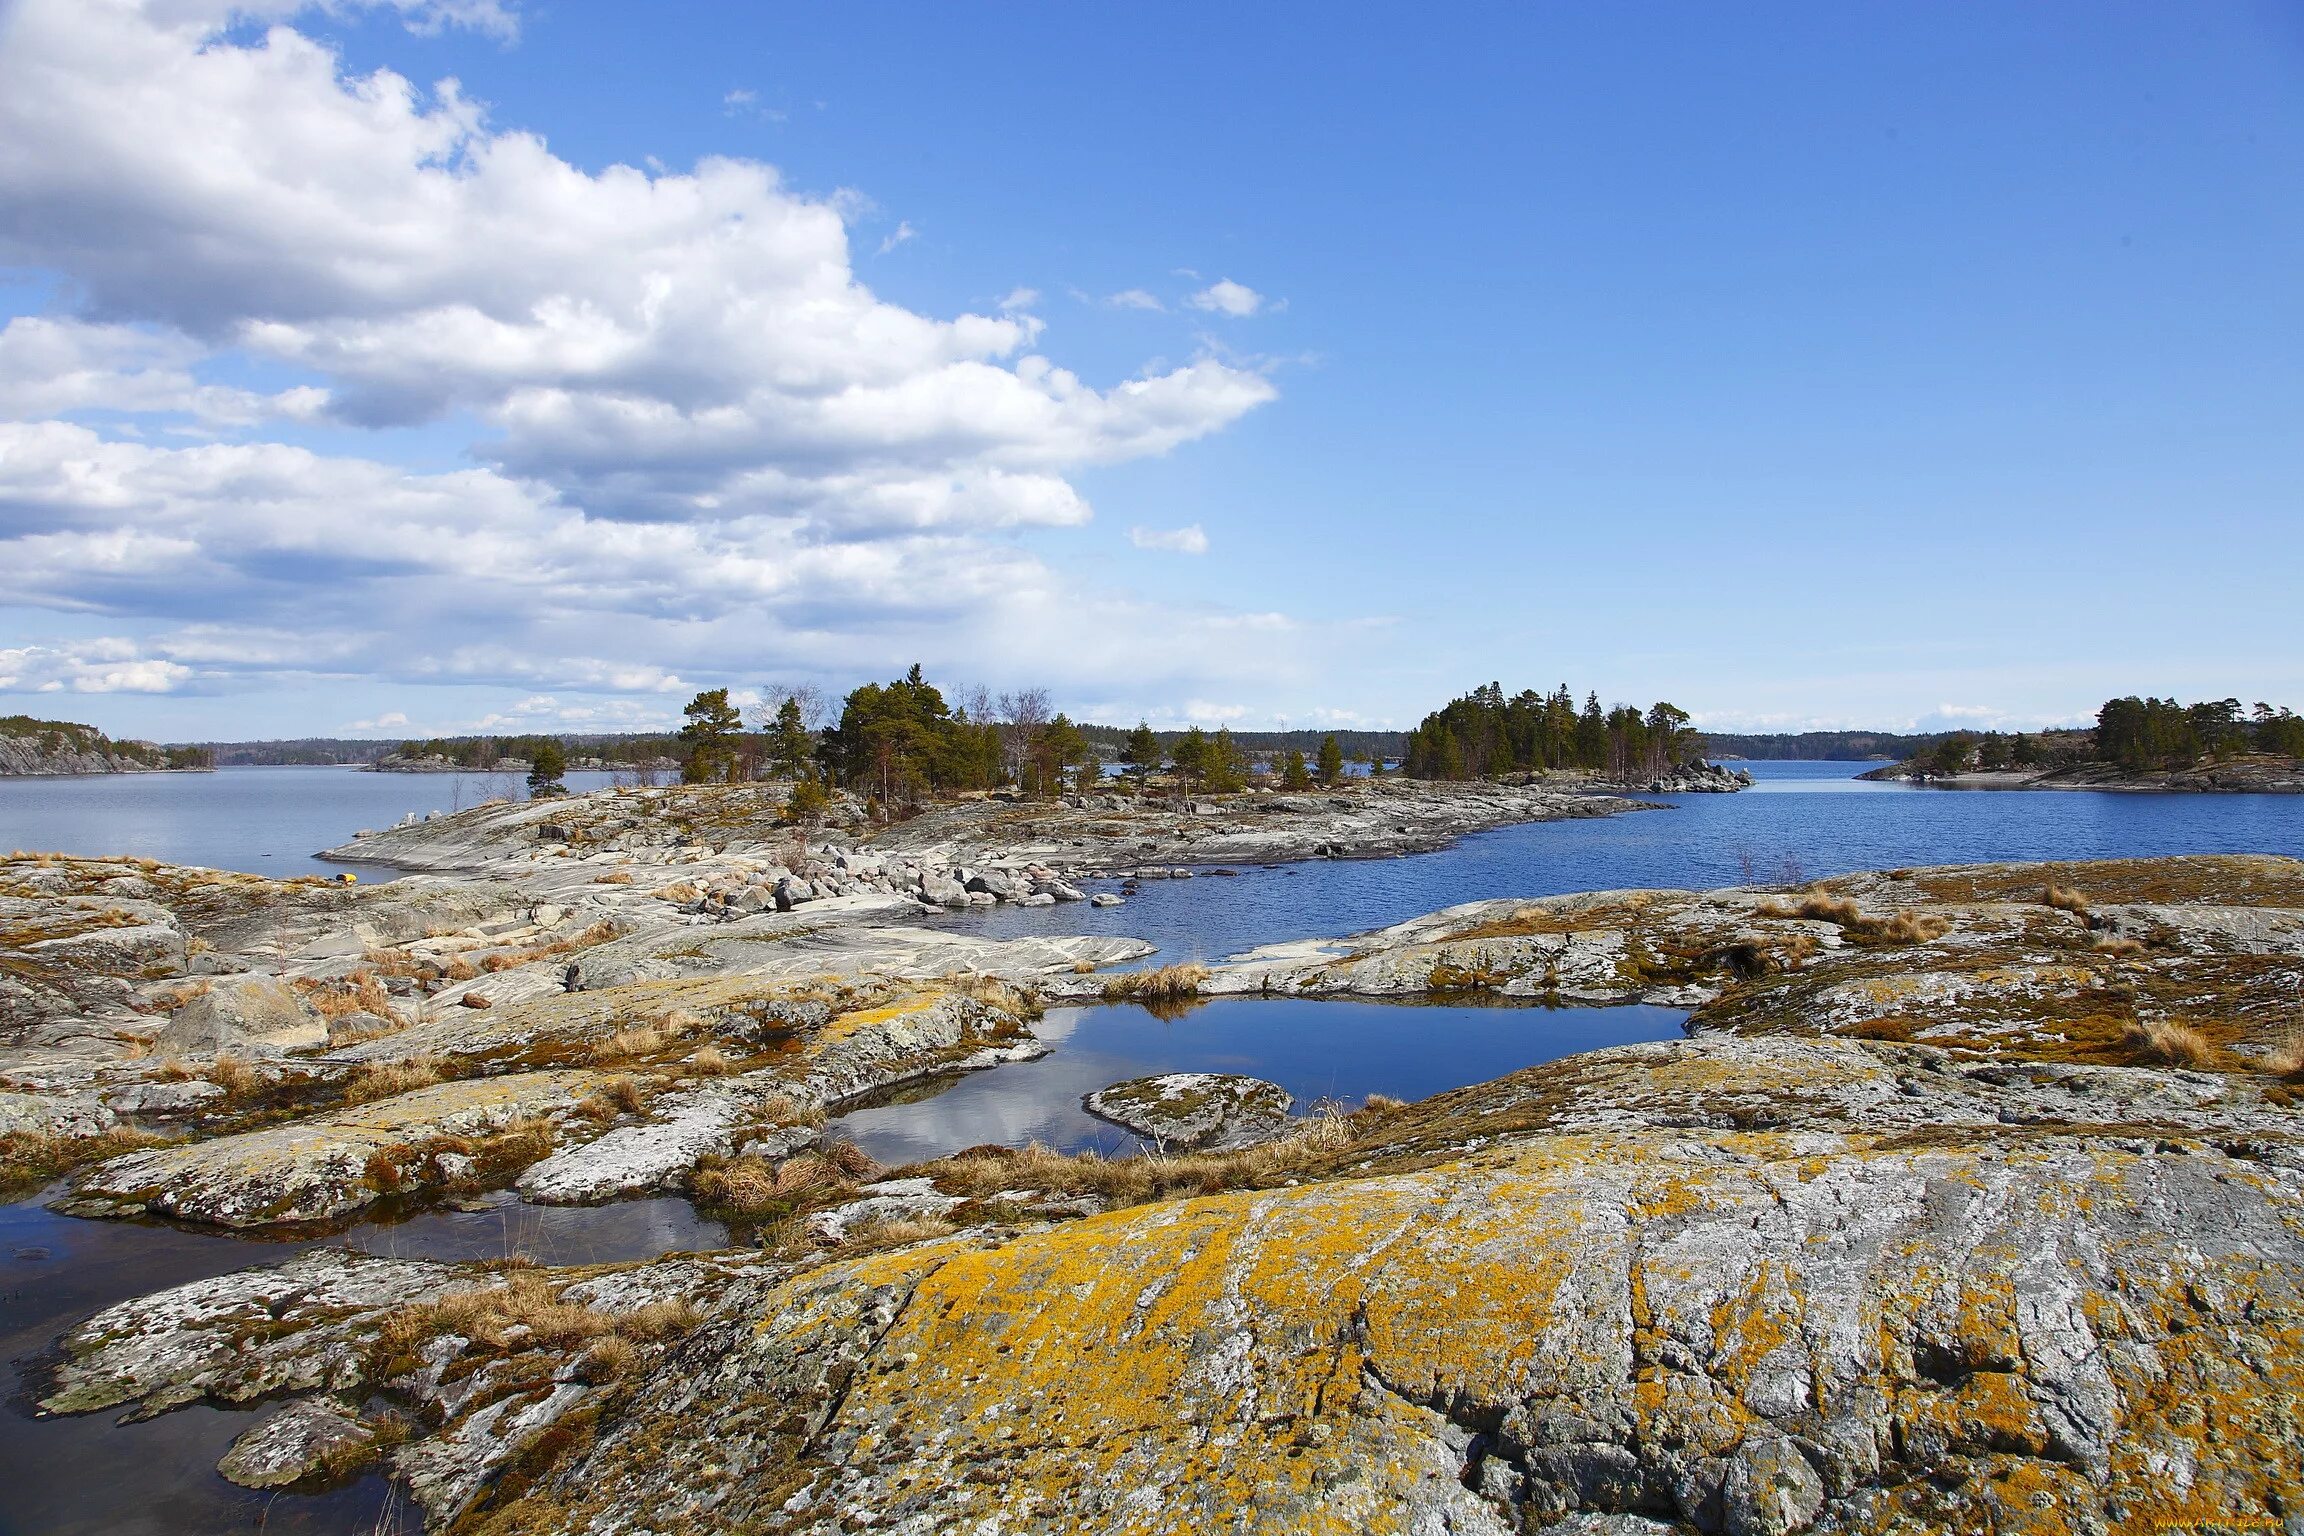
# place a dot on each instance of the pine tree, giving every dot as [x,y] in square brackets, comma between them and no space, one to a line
[546,770]
[1141,753]
[1331,762]
[791,750]
[1293,773]
[711,737]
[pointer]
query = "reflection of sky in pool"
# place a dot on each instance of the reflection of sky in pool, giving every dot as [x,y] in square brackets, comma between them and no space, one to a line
[1316,1050]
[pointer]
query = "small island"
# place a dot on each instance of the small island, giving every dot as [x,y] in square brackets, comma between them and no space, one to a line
[2137,744]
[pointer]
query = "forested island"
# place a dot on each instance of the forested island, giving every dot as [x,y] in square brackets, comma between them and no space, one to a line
[1485,735]
[2138,743]
[53,748]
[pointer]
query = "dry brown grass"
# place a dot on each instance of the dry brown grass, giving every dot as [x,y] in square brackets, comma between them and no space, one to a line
[896,1231]
[2120,948]
[1166,984]
[1152,1176]
[2287,1058]
[2166,1043]
[31,1158]
[614,877]
[525,1312]
[681,891]
[359,992]
[460,969]
[2064,899]
[630,1043]
[505,960]
[1083,967]
[1902,927]
[235,1076]
[1382,1104]
[992,992]
[754,1189]
[711,1061]
[385,1079]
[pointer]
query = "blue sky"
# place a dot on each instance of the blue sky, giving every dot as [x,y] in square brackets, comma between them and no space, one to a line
[1802,364]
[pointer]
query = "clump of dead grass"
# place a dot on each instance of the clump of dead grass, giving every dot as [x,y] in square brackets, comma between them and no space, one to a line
[387,1079]
[236,1075]
[29,1159]
[508,959]
[754,1189]
[2167,1043]
[992,992]
[359,992]
[1164,984]
[711,1061]
[985,1171]
[526,1312]
[1904,926]
[2064,899]
[2287,1058]
[896,1231]
[2119,947]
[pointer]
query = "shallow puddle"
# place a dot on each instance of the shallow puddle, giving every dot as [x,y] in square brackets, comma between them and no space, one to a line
[1342,1051]
[88,1474]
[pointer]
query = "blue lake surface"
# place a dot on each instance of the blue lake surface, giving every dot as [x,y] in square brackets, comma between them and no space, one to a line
[1800,821]
[1338,1051]
[267,821]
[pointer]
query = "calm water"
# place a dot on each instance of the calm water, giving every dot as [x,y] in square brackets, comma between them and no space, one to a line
[87,1474]
[267,821]
[1316,1050]
[1799,819]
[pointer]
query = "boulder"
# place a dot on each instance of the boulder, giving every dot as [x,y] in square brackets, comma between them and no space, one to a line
[163,1099]
[995,883]
[939,891]
[1215,1111]
[244,1013]
[310,1439]
[1104,899]
[351,1028]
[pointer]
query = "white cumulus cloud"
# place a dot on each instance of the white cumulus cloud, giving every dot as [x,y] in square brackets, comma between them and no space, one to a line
[703,443]
[1226,297]
[1188,540]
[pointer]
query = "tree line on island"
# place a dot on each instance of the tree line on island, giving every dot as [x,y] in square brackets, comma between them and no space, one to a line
[2140,734]
[1484,734]
[902,742]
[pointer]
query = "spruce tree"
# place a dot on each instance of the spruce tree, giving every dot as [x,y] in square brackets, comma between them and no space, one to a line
[1331,761]
[546,770]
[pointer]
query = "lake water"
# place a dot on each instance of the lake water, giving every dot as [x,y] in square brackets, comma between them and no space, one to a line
[1340,1051]
[1800,820]
[267,821]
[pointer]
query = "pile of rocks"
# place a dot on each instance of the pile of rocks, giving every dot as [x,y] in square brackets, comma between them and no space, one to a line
[742,889]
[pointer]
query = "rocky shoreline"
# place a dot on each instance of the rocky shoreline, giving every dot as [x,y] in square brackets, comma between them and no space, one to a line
[1968,1184]
[2253,775]
[1078,835]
